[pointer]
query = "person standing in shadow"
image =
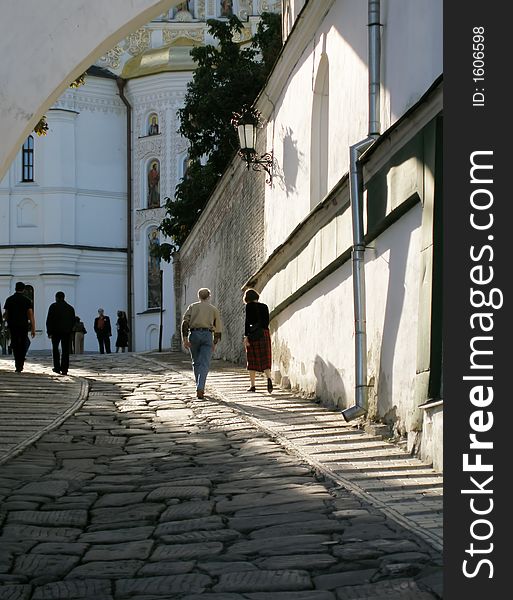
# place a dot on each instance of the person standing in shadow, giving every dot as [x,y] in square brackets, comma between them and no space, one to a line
[19,313]
[79,331]
[59,326]
[123,330]
[103,331]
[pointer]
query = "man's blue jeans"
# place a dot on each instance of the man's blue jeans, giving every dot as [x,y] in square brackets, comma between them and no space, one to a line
[201,353]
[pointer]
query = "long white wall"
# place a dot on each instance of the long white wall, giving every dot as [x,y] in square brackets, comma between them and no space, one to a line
[411,61]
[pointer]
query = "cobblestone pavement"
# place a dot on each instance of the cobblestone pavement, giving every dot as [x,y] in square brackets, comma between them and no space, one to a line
[146,492]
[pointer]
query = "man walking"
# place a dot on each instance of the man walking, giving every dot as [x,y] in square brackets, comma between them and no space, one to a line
[201,331]
[103,331]
[19,313]
[59,325]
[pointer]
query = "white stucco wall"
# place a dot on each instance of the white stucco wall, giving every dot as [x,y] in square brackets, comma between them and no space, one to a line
[411,61]
[324,317]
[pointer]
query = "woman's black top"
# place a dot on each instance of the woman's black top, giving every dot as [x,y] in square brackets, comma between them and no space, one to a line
[256,312]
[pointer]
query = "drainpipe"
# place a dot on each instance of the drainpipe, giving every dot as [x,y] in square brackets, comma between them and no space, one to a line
[129,268]
[356,197]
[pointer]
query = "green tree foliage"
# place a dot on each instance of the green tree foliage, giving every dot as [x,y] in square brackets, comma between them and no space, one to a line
[226,78]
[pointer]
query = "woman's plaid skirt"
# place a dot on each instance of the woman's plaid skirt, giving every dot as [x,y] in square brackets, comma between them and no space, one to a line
[259,353]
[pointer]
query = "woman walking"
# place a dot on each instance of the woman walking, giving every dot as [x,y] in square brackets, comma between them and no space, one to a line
[122,327]
[257,340]
[79,331]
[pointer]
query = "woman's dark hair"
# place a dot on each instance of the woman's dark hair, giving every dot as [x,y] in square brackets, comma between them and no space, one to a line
[251,296]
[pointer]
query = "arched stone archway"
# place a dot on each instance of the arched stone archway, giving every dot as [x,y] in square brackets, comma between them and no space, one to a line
[47,45]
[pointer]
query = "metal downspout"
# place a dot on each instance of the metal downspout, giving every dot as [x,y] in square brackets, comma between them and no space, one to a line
[356,197]
[129,251]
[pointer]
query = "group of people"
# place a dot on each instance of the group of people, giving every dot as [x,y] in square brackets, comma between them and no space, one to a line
[202,330]
[63,327]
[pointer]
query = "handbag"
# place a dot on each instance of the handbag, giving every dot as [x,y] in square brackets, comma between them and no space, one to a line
[256,332]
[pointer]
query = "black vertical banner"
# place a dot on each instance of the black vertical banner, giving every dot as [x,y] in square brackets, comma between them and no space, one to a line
[478,358]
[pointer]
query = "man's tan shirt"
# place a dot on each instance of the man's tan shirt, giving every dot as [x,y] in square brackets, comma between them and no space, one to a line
[201,315]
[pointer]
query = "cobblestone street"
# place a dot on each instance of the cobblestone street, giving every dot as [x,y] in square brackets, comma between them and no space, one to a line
[117,482]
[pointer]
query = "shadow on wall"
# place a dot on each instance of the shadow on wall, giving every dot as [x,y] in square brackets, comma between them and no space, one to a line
[329,389]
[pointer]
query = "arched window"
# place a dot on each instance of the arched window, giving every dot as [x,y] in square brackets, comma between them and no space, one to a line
[319,150]
[154,295]
[27,160]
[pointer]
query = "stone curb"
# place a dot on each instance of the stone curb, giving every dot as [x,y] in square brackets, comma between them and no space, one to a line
[19,448]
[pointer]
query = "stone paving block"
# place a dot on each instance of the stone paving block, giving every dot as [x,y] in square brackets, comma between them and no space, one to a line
[369,532]
[298,561]
[398,590]
[135,512]
[125,551]
[120,499]
[34,532]
[333,581]
[54,518]
[74,590]
[373,548]
[203,523]
[246,524]
[166,567]
[217,568]
[115,536]
[186,551]
[273,581]
[213,535]
[186,510]
[42,568]
[172,584]
[405,557]
[313,526]
[60,548]
[220,596]
[51,489]
[301,595]
[15,592]
[286,508]
[288,545]
[181,492]
[107,569]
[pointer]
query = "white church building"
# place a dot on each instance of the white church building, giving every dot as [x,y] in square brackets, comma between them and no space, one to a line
[80,207]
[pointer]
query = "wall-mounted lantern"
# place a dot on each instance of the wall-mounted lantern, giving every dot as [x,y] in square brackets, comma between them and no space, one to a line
[246,122]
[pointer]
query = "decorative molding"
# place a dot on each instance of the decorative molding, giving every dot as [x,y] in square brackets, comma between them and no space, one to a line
[170,35]
[138,41]
[145,217]
[112,59]
[150,145]
[200,7]
[82,101]
[243,36]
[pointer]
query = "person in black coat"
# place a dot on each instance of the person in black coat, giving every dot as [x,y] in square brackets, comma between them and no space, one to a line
[103,331]
[122,327]
[59,325]
[19,314]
